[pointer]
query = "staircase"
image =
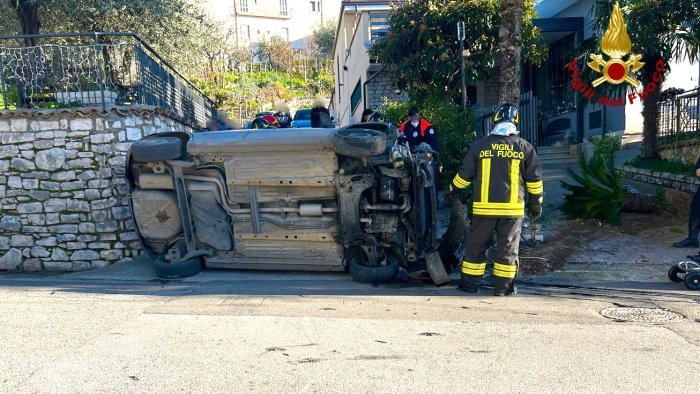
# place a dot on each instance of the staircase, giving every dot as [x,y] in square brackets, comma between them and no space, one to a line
[557,155]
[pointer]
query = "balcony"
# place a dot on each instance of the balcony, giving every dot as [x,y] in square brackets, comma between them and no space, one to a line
[266,12]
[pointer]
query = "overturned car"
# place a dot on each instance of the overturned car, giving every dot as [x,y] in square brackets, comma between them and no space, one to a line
[294,199]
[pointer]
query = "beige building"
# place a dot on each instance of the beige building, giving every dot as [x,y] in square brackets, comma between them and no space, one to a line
[251,21]
[360,82]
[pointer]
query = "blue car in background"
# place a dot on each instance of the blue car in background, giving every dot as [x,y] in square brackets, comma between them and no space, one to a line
[302,118]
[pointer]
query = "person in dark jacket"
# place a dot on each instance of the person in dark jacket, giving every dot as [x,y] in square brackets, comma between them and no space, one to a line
[320,117]
[283,117]
[691,241]
[504,168]
[366,114]
[417,130]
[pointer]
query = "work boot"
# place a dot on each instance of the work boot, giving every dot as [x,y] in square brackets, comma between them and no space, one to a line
[467,285]
[502,288]
[692,240]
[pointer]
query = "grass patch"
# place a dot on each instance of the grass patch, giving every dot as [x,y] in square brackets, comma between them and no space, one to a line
[661,165]
[677,230]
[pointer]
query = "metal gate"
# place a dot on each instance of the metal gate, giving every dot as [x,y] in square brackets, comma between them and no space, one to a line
[528,118]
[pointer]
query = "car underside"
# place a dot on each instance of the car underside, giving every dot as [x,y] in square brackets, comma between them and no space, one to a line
[289,199]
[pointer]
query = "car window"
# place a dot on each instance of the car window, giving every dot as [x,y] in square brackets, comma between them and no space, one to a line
[303,114]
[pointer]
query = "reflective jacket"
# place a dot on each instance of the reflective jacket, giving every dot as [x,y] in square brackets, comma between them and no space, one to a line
[502,169]
[423,133]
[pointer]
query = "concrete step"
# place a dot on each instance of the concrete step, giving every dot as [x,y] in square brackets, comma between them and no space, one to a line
[548,149]
[555,156]
[549,162]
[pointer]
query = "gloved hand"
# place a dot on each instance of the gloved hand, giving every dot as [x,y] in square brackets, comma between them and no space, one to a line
[535,208]
[450,195]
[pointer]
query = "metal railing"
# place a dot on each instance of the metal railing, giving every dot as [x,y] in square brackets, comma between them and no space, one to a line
[679,117]
[527,124]
[96,69]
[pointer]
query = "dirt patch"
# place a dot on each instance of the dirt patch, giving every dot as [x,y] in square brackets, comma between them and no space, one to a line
[640,238]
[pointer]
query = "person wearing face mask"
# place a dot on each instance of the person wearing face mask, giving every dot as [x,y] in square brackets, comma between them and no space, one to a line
[417,130]
[504,169]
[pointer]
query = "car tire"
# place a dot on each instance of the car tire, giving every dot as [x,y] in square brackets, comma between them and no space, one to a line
[372,275]
[156,149]
[673,274]
[692,281]
[359,142]
[183,269]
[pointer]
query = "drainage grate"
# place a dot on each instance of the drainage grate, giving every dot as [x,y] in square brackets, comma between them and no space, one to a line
[647,315]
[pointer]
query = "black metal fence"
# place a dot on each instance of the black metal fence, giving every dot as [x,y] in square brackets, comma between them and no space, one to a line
[528,123]
[95,69]
[679,117]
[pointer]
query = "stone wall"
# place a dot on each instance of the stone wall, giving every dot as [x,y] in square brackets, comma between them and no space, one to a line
[380,89]
[686,151]
[678,182]
[63,201]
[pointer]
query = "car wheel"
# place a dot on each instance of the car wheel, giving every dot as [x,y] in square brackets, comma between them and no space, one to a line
[692,281]
[359,142]
[673,274]
[184,269]
[156,149]
[361,272]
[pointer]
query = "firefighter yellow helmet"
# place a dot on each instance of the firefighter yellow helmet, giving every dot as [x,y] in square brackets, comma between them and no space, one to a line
[506,113]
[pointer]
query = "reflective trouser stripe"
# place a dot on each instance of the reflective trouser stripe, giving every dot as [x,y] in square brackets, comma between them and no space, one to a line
[473,269]
[505,270]
[514,181]
[485,179]
[535,187]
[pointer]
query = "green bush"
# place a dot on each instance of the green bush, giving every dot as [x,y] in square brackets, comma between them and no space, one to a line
[605,147]
[448,119]
[597,192]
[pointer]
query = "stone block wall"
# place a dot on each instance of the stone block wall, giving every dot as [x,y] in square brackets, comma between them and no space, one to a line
[686,151]
[63,203]
[679,182]
[380,89]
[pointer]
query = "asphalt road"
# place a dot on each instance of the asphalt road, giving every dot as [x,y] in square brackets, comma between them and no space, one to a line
[120,330]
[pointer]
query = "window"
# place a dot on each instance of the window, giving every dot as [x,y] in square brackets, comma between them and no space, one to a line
[315,6]
[356,96]
[285,33]
[244,5]
[284,11]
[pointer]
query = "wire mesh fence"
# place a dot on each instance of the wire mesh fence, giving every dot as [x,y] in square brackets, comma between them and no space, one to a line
[67,70]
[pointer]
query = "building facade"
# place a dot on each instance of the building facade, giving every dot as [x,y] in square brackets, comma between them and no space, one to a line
[362,83]
[251,21]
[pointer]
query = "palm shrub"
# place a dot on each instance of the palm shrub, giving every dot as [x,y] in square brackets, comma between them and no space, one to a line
[597,193]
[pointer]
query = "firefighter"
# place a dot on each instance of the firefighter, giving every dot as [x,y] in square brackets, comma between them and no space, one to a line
[417,130]
[503,168]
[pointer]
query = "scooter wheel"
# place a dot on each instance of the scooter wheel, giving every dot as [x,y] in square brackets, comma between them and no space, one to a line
[673,274]
[692,281]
